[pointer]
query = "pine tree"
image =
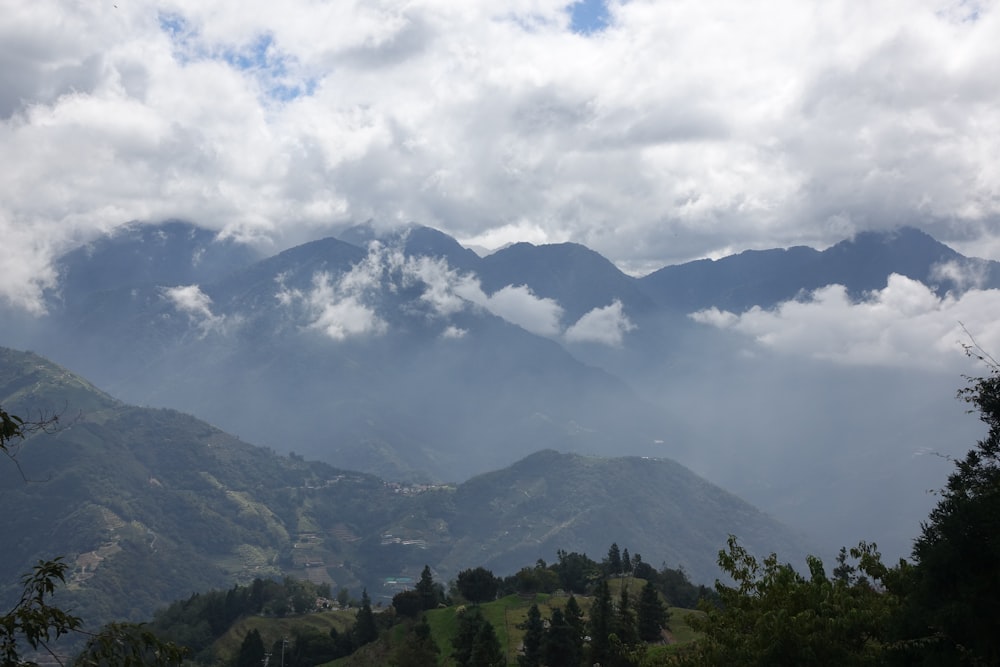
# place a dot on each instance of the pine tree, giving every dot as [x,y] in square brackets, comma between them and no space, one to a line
[534,635]
[601,624]
[430,593]
[574,616]
[475,642]
[365,631]
[626,562]
[486,649]
[652,614]
[563,645]
[614,561]
[419,649]
[624,625]
[251,650]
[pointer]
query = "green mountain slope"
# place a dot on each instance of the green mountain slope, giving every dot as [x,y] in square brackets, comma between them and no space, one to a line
[149,506]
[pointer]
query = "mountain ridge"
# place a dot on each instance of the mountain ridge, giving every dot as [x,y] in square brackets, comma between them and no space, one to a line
[150,505]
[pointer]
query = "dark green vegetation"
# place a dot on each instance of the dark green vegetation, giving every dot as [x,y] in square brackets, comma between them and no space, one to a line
[34,624]
[537,627]
[150,506]
[941,608]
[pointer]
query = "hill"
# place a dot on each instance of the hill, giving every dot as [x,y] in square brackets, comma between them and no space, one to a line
[150,505]
[405,355]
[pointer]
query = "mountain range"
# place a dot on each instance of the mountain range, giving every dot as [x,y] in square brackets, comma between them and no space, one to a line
[405,355]
[149,505]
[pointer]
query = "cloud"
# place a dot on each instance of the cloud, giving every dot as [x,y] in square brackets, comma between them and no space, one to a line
[520,306]
[963,274]
[607,325]
[454,332]
[678,130]
[189,299]
[347,305]
[335,308]
[903,325]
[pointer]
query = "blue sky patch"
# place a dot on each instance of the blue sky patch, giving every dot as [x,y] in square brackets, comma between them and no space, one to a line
[258,58]
[589,16]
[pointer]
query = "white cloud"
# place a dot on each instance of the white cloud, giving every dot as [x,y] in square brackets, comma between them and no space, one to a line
[189,299]
[520,306]
[335,308]
[965,274]
[682,129]
[904,325]
[454,332]
[607,325]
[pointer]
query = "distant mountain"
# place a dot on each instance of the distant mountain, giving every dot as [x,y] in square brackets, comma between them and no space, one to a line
[767,277]
[657,507]
[362,369]
[415,359]
[135,255]
[578,278]
[149,505]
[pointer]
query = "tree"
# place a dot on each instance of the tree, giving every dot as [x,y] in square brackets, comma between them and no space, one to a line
[431,594]
[478,585]
[408,603]
[418,649]
[626,562]
[575,571]
[563,644]
[624,625]
[251,652]
[600,624]
[35,622]
[486,649]
[343,598]
[652,614]
[574,616]
[534,635]
[365,630]
[954,584]
[614,561]
[475,642]
[775,616]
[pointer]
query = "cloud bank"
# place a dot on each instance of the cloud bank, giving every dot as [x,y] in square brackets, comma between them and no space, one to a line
[190,300]
[662,132]
[904,325]
[607,325]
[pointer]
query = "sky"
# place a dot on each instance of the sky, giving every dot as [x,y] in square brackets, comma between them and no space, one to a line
[654,132]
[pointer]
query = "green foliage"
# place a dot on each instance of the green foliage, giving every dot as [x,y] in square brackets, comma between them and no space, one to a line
[774,616]
[408,604]
[128,645]
[954,598]
[251,650]
[365,630]
[417,648]
[576,571]
[34,620]
[486,649]
[613,563]
[478,585]
[625,625]
[652,614]
[563,643]
[534,635]
[431,593]
[601,624]
[475,643]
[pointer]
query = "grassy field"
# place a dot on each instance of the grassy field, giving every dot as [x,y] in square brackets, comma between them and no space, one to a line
[505,614]
[273,629]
